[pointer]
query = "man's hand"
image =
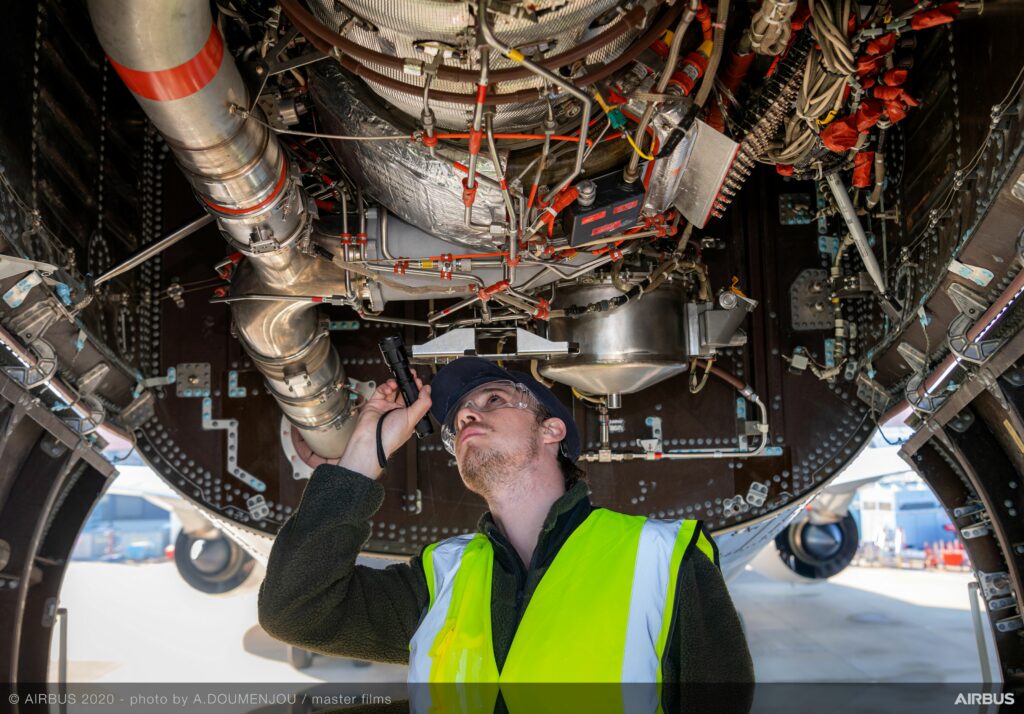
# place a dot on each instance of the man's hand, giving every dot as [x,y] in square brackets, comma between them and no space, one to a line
[361,453]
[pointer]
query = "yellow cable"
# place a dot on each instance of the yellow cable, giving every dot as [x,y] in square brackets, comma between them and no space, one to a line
[637,148]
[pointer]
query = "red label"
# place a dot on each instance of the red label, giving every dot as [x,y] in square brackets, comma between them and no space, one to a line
[626,206]
[593,217]
[605,228]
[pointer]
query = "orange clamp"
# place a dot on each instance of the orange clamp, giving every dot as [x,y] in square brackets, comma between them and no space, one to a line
[468,194]
[498,287]
[542,311]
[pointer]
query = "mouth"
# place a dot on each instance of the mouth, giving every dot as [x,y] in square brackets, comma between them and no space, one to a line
[468,434]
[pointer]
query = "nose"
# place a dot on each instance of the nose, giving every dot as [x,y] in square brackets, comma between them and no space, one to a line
[464,416]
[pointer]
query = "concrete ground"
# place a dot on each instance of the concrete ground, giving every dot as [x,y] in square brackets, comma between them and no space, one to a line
[863,625]
[142,623]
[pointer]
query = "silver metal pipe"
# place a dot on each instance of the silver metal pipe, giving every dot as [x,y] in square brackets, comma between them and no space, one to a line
[244,179]
[689,454]
[860,239]
[156,248]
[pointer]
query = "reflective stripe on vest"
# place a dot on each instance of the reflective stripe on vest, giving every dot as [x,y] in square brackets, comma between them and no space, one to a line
[440,564]
[601,613]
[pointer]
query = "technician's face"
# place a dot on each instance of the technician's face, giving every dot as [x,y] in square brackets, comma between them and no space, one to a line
[492,447]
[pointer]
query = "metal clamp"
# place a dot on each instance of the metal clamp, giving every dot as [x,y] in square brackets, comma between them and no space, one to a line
[927,403]
[86,425]
[41,372]
[965,348]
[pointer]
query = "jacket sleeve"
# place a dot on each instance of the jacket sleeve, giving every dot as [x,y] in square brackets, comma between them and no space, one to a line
[314,595]
[709,664]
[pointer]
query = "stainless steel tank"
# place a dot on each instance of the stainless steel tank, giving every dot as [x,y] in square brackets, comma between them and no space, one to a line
[620,352]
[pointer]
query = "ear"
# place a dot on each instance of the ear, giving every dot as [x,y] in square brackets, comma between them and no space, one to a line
[553,430]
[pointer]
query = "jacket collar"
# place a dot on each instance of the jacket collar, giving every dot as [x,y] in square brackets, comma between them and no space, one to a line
[566,513]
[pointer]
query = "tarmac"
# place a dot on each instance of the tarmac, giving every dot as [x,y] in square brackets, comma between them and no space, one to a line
[142,623]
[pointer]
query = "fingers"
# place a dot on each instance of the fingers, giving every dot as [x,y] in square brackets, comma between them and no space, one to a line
[419,408]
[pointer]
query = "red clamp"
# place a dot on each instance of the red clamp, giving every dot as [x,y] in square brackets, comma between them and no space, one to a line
[429,141]
[468,194]
[361,239]
[542,311]
[615,254]
[220,292]
[475,138]
[486,293]
[401,266]
[346,238]
[226,268]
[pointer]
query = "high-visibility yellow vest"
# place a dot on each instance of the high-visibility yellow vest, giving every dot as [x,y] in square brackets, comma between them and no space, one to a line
[600,614]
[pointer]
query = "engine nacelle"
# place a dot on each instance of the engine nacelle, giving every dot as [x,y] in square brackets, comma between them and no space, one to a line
[807,552]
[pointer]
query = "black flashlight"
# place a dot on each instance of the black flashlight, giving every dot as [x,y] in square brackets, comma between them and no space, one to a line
[393,349]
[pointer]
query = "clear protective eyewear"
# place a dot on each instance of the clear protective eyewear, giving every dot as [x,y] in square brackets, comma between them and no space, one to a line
[502,394]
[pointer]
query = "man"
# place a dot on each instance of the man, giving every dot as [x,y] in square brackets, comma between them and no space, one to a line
[549,589]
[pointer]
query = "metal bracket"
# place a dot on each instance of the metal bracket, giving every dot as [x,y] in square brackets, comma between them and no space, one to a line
[145,384]
[32,322]
[1010,624]
[929,403]
[139,411]
[462,341]
[734,505]
[43,371]
[757,494]
[872,393]
[809,304]
[193,379]
[914,357]
[88,424]
[654,444]
[231,426]
[968,510]
[966,301]
[89,381]
[976,531]
[258,507]
[965,348]
[994,584]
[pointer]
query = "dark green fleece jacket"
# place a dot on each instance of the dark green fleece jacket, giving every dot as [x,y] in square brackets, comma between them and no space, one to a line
[317,598]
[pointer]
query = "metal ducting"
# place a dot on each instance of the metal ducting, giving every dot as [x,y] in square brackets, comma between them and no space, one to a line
[172,57]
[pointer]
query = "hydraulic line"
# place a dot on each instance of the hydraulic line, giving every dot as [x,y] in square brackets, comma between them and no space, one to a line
[632,171]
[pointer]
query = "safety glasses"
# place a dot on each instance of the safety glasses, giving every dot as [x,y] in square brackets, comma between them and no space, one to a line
[503,394]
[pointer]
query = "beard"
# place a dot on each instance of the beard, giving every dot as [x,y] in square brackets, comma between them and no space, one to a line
[487,471]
